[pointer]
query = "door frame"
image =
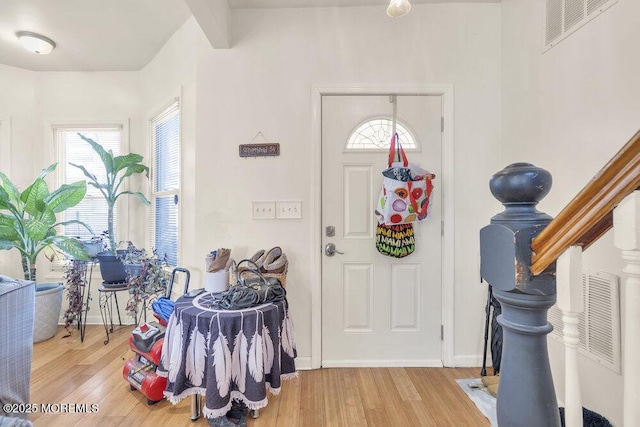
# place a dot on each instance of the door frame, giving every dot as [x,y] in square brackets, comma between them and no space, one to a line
[448,206]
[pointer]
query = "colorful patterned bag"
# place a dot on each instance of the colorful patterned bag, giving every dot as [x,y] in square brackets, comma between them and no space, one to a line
[395,240]
[406,190]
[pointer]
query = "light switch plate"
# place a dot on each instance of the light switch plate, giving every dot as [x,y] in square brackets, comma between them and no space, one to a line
[287,210]
[263,210]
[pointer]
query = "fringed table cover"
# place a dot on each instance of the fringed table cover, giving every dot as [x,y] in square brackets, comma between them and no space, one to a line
[227,354]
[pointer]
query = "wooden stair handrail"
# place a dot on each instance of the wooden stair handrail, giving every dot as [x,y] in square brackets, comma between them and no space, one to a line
[590,214]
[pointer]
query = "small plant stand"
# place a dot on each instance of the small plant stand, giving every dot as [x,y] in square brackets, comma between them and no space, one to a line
[107,295]
[85,294]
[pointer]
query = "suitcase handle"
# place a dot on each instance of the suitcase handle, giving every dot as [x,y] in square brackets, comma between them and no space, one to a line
[173,276]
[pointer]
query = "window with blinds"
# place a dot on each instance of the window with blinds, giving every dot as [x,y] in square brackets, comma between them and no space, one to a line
[72,149]
[165,185]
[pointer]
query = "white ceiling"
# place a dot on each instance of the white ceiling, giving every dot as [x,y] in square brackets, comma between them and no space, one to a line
[266,4]
[105,35]
[116,35]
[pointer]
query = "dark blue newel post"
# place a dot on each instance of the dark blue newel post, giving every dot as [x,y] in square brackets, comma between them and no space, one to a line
[526,396]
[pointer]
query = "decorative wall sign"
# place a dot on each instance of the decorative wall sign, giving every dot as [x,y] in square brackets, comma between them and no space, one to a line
[259,150]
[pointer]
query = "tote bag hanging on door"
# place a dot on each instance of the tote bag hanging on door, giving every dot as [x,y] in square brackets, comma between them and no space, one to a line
[406,190]
[395,240]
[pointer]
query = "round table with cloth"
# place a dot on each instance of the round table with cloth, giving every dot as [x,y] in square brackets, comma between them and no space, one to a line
[227,354]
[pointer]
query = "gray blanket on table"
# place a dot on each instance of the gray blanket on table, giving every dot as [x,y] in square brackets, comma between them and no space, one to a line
[227,355]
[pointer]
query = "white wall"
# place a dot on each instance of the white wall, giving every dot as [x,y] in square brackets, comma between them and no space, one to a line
[17,105]
[263,84]
[173,72]
[84,97]
[569,110]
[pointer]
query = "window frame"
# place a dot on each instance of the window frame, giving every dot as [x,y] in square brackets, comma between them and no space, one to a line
[55,268]
[151,155]
[405,125]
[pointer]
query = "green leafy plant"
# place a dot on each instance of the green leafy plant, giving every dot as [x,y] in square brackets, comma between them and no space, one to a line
[30,224]
[149,284]
[117,169]
[133,255]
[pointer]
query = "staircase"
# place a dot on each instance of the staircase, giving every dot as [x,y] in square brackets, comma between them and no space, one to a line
[531,259]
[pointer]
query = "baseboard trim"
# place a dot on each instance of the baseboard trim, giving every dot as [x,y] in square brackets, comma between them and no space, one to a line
[97,320]
[303,363]
[382,364]
[470,361]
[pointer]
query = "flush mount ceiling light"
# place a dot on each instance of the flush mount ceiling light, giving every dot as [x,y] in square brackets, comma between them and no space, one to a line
[398,8]
[35,42]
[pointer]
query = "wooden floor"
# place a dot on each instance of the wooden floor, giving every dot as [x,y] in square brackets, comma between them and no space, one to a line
[68,371]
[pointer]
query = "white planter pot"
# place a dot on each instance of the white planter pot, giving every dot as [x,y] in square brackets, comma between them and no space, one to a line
[47,313]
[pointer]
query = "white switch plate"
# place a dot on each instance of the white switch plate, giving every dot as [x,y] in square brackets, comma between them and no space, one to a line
[289,209]
[263,210]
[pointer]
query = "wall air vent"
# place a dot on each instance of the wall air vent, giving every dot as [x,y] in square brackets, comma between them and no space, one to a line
[599,323]
[563,17]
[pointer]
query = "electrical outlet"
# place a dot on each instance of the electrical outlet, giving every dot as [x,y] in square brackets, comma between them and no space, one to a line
[289,209]
[263,210]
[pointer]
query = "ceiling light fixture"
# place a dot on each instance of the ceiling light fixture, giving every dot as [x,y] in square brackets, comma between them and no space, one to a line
[398,8]
[35,42]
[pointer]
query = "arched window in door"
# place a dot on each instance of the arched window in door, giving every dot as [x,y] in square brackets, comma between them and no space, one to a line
[375,134]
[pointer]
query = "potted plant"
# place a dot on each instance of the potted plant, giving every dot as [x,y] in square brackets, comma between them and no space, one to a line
[117,169]
[74,274]
[28,223]
[133,260]
[92,245]
[150,282]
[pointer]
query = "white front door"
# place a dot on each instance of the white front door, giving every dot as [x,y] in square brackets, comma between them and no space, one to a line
[378,310]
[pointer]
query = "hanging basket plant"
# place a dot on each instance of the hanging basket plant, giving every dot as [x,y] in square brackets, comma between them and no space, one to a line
[74,274]
[150,283]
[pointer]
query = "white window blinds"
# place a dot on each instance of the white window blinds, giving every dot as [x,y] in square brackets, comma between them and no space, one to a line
[72,149]
[165,191]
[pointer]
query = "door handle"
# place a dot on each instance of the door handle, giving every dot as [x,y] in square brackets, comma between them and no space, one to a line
[330,250]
